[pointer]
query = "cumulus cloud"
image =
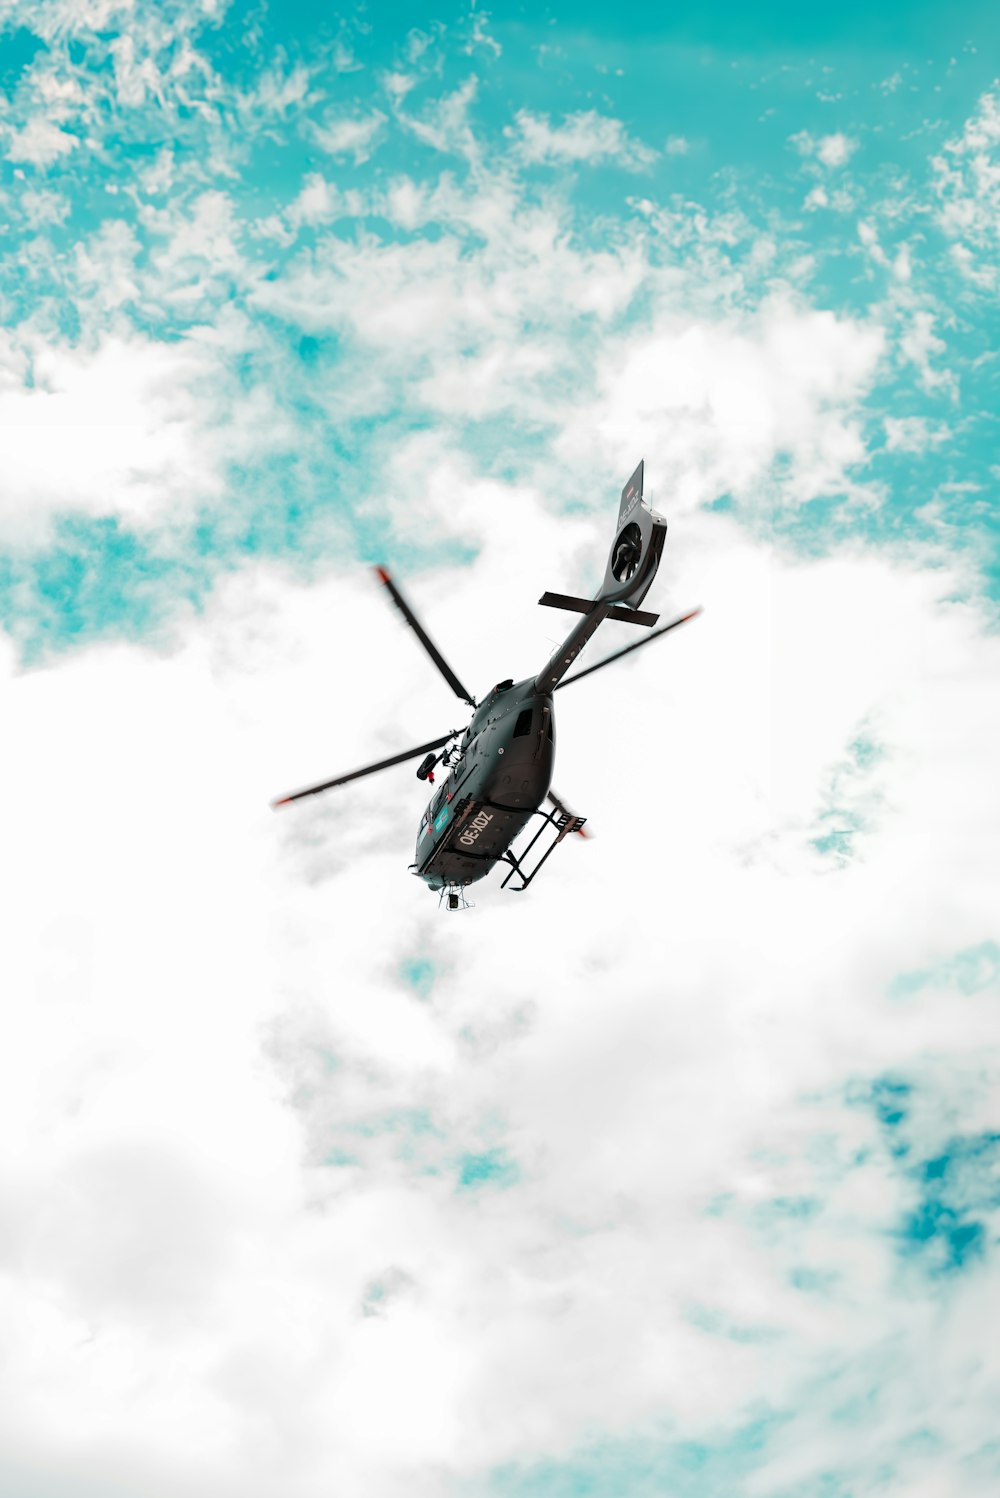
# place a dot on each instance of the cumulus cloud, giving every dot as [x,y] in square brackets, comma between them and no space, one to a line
[726,400]
[112,430]
[131,427]
[585,137]
[284,1252]
[829,150]
[834,150]
[40,142]
[293,1164]
[447,328]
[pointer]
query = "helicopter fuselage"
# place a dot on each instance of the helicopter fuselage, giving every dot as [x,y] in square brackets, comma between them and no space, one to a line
[499,777]
[497,774]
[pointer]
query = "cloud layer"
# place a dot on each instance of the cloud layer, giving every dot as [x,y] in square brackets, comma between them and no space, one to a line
[678,1173]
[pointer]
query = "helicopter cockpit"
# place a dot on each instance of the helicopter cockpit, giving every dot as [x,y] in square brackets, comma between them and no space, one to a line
[482,712]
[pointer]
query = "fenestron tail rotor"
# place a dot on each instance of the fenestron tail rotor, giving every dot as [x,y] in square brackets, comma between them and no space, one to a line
[627,553]
[424,638]
[627,650]
[382,764]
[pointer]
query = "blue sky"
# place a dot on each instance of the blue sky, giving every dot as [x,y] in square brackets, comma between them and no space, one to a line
[682,1172]
[210,161]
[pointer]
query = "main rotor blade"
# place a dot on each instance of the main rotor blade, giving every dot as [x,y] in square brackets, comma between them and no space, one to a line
[561,806]
[383,764]
[424,638]
[579,675]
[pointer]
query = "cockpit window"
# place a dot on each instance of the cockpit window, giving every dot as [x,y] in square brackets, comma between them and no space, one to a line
[523,724]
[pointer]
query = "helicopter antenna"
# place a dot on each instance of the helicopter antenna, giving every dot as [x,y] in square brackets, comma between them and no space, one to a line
[424,638]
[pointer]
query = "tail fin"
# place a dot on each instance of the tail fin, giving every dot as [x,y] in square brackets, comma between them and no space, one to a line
[631,494]
[632,563]
[637,547]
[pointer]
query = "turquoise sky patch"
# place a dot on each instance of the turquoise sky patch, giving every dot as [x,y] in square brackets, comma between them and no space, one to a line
[491,1167]
[276,225]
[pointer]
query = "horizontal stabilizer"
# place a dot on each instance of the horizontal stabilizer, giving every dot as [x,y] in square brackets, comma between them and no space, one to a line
[587,606]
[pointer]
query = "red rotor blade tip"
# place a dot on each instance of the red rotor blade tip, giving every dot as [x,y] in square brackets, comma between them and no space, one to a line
[381,574]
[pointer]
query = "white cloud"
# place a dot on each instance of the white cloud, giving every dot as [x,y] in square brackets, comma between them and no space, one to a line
[135,78]
[460,332]
[585,137]
[106,264]
[129,427]
[200,1040]
[444,125]
[717,402]
[529,321]
[109,431]
[43,207]
[834,150]
[159,177]
[920,344]
[40,142]
[231,1133]
[398,85]
[52,17]
[967,181]
[972,271]
[912,434]
[280,91]
[350,136]
[480,38]
[196,254]
[318,201]
[829,150]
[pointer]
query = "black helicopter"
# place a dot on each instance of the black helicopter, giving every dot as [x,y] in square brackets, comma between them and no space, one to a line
[500,767]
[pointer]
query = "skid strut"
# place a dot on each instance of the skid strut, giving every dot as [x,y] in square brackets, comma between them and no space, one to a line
[564,823]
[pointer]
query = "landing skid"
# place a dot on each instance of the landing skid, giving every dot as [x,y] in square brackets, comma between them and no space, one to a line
[564,822]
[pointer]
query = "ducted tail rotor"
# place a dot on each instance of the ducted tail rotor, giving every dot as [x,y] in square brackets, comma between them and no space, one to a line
[627,553]
[636,549]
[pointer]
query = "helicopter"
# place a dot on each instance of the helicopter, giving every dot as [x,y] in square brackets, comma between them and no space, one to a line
[499,768]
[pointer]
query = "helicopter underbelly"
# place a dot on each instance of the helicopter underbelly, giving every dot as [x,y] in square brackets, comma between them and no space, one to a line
[478,828]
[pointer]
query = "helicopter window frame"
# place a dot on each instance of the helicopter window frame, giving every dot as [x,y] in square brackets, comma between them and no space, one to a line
[464,763]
